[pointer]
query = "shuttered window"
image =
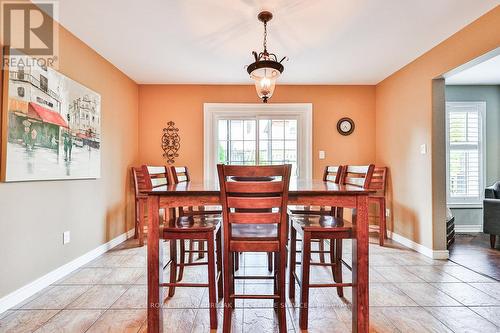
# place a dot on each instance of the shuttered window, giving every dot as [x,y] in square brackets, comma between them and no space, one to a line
[465,166]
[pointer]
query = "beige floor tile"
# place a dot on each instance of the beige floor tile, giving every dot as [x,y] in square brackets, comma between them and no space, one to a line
[397,274]
[464,274]
[379,322]
[136,297]
[466,294]
[325,320]
[88,275]
[387,294]
[178,320]
[184,298]
[413,320]
[98,297]
[57,297]
[123,275]
[492,289]
[425,294]
[263,320]
[107,261]
[25,320]
[202,321]
[71,321]
[490,313]
[119,321]
[431,274]
[462,319]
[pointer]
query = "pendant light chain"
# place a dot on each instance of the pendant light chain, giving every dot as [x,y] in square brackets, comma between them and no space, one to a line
[265,37]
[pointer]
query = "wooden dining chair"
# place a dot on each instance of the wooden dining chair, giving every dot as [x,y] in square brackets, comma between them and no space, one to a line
[332,174]
[159,177]
[333,228]
[180,174]
[254,220]
[379,183]
[194,226]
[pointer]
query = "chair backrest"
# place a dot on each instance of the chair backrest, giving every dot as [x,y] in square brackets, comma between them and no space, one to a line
[357,175]
[155,176]
[139,181]
[378,181]
[179,174]
[332,173]
[254,195]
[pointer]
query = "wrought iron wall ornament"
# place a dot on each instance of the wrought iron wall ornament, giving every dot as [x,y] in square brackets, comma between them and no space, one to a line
[170,142]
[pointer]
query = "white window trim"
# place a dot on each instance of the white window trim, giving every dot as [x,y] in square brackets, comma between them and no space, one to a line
[481,105]
[300,111]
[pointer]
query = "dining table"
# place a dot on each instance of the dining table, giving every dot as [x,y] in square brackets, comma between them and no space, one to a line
[305,192]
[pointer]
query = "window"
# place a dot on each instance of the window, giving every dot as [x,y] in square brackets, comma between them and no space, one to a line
[256,134]
[258,141]
[44,84]
[465,147]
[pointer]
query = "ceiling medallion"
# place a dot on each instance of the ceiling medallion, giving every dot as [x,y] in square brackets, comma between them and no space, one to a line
[266,68]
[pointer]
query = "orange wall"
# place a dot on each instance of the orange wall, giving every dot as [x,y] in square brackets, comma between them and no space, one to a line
[183,104]
[404,120]
[34,215]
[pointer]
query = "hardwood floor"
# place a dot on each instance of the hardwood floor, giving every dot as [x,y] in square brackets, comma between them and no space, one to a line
[474,252]
[408,293]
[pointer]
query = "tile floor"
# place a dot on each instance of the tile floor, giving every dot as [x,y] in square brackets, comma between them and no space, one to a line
[408,293]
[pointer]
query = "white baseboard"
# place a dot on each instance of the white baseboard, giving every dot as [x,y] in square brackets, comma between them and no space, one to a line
[433,254]
[466,228]
[32,288]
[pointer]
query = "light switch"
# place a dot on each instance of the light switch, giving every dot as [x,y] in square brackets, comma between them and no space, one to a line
[321,154]
[66,237]
[423,149]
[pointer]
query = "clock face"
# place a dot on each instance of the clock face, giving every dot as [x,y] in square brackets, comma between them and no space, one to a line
[345,126]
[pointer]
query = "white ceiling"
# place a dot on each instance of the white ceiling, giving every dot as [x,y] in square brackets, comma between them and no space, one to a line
[487,72]
[327,41]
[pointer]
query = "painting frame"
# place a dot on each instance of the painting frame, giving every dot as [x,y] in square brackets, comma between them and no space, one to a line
[51,125]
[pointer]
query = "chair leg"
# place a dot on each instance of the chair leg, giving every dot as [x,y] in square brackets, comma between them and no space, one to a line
[270,261]
[304,290]
[281,263]
[218,244]
[338,266]
[293,260]
[201,247]
[332,258]
[137,220]
[212,292]
[275,283]
[228,270]
[182,256]
[173,266]
[493,239]
[191,250]
[140,226]
[383,228]
[321,249]
[232,286]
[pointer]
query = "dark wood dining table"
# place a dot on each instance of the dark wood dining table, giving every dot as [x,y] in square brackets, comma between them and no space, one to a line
[301,192]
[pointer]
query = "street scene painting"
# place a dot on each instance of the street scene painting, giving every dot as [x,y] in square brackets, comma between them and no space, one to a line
[53,125]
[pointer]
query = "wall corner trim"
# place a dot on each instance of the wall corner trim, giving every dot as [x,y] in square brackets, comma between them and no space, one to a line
[21,294]
[433,254]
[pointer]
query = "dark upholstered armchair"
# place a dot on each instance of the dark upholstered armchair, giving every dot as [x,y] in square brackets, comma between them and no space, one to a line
[491,212]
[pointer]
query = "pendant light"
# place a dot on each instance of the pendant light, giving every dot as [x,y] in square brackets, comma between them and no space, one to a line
[266,69]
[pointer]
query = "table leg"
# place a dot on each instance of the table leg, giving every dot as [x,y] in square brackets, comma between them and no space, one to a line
[154,305]
[360,313]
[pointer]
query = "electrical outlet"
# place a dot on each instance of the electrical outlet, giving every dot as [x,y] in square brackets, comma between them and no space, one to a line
[423,149]
[387,212]
[66,237]
[321,154]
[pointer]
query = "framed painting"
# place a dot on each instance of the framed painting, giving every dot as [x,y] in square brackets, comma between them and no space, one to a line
[51,124]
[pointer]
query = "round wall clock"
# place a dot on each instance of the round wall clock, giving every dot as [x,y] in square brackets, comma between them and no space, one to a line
[345,126]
